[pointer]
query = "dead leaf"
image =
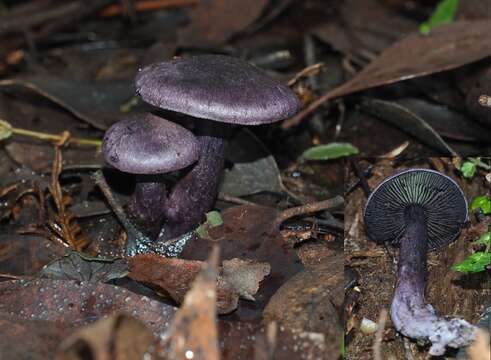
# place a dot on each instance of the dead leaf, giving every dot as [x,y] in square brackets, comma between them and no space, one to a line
[351,33]
[27,254]
[407,121]
[252,177]
[244,276]
[447,47]
[246,340]
[81,267]
[175,277]
[312,301]
[27,339]
[79,302]
[215,21]
[119,337]
[247,233]
[97,103]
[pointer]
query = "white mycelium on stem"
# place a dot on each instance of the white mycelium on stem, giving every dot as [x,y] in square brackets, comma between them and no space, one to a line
[419,209]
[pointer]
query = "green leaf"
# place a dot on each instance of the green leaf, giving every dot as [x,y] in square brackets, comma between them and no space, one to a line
[468,169]
[474,263]
[443,14]
[214,219]
[482,202]
[484,239]
[5,130]
[330,151]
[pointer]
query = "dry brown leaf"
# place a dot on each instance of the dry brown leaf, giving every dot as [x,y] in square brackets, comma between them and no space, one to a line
[244,276]
[175,276]
[76,303]
[39,339]
[214,21]
[119,337]
[447,47]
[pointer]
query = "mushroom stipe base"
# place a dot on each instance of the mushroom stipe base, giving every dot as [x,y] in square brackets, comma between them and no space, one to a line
[415,209]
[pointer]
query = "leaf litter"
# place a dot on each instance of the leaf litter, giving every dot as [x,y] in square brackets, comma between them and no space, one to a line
[282,230]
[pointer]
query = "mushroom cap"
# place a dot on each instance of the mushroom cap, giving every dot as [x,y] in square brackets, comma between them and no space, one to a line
[217,87]
[149,144]
[443,202]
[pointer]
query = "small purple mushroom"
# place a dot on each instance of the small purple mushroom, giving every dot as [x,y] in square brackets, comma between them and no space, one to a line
[419,210]
[215,92]
[149,146]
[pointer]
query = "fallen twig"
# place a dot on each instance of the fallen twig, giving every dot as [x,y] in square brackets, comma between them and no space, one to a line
[379,335]
[146,5]
[308,71]
[6,127]
[235,200]
[309,208]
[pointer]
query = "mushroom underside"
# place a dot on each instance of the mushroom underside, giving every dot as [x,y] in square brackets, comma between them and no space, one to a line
[419,209]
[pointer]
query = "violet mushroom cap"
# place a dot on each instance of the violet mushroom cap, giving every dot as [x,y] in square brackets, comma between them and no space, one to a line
[145,144]
[214,91]
[419,210]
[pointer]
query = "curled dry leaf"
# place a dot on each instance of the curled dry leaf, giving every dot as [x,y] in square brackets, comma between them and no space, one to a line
[244,276]
[119,337]
[175,276]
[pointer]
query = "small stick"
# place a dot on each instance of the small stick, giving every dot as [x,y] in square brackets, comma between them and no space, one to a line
[235,200]
[308,71]
[146,5]
[379,335]
[309,208]
[46,136]
[361,176]
[131,230]
[15,277]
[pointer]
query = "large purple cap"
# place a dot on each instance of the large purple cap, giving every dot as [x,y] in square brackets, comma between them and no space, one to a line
[148,144]
[442,200]
[217,87]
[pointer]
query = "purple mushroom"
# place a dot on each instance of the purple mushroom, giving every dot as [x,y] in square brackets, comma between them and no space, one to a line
[419,210]
[214,92]
[149,146]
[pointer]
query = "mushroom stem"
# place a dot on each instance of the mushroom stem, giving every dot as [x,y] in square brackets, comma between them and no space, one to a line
[195,193]
[410,313]
[147,206]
